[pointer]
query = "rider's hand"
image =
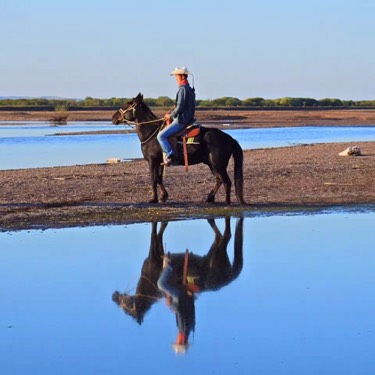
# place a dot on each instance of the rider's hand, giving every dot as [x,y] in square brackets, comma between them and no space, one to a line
[167,116]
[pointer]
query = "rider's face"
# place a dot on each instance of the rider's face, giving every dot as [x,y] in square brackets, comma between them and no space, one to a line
[179,78]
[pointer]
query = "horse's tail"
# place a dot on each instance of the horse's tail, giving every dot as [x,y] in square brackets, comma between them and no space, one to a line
[238,171]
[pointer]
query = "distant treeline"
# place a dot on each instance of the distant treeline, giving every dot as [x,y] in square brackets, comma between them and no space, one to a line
[164,101]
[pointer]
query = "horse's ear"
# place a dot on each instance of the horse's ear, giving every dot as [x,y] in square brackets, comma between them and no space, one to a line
[138,98]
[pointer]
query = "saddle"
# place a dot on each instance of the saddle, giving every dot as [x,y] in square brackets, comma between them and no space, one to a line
[190,131]
[186,136]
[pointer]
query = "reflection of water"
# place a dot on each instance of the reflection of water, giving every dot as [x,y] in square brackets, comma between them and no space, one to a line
[28,146]
[303,303]
[179,277]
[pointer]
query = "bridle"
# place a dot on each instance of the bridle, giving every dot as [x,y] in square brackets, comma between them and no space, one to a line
[133,107]
[124,111]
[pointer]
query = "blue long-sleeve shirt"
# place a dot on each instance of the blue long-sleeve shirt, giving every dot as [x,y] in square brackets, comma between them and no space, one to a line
[185,105]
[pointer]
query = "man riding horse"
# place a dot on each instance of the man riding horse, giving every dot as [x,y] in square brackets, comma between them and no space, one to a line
[181,116]
[211,146]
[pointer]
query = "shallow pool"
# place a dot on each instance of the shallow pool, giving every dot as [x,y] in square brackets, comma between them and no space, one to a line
[300,299]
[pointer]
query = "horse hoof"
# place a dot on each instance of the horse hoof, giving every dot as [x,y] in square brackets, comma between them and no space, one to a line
[153,201]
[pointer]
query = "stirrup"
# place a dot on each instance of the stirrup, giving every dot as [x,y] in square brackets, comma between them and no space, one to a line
[166,160]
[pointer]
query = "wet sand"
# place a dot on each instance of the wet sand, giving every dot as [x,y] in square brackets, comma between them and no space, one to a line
[310,176]
[274,179]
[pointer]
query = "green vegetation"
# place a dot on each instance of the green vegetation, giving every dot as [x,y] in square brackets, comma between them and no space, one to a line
[60,117]
[284,102]
[164,101]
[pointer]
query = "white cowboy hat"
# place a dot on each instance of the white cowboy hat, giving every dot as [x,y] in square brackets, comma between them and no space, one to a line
[180,70]
[180,348]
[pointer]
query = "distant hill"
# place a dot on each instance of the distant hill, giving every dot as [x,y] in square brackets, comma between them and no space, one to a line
[15,97]
[37,97]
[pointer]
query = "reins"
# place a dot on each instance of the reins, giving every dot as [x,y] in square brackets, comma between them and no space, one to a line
[127,122]
[152,135]
[150,122]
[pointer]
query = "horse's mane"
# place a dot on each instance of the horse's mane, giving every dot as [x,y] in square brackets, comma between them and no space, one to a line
[148,111]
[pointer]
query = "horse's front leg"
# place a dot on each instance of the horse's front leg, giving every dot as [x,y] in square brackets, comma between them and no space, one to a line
[156,172]
[164,193]
[154,182]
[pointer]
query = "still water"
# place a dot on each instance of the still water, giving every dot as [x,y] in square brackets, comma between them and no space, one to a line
[28,146]
[298,299]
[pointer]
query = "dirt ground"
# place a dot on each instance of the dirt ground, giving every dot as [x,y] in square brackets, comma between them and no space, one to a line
[242,118]
[278,178]
[274,179]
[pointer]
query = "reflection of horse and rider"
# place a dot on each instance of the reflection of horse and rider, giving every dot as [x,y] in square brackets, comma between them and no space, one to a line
[183,141]
[178,277]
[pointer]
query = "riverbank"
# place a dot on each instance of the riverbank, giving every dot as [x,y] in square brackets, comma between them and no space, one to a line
[274,179]
[243,118]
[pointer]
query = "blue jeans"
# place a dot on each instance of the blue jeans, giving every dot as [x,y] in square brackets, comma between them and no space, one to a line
[168,131]
[165,286]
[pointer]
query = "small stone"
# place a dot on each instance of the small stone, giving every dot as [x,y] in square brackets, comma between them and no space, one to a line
[351,151]
[113,160]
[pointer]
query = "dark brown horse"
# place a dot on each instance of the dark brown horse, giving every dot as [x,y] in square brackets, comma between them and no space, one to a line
[214,149]
[147,292]
[211,271]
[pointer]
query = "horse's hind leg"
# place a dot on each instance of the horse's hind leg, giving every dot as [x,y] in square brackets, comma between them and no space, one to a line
[221,178]
[227,184]
[211,195]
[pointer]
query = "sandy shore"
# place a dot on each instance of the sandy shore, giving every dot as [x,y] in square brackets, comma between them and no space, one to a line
[274,179]
[248,118]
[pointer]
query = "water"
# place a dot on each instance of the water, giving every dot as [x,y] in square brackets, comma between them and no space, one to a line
[289,136]
[35,129]
[302,304]
[28,146]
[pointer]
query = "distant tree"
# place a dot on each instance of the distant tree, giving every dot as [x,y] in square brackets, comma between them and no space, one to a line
[269,103]
[283,102]
[366,103]
[309,102]
[327,102]
[60,116]
[227,101]
[150,102]
[249,102]
[233,102]
[348,103]
[39,101]
[206,103]
[164,101]
[119,102]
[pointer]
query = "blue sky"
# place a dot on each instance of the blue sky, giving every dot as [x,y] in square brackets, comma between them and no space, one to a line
[239,48]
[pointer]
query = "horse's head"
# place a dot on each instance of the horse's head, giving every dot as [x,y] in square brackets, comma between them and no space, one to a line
[128,113]
[135,306]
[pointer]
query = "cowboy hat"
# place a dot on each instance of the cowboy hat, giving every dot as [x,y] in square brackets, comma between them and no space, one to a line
[180,70]
[180,348]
